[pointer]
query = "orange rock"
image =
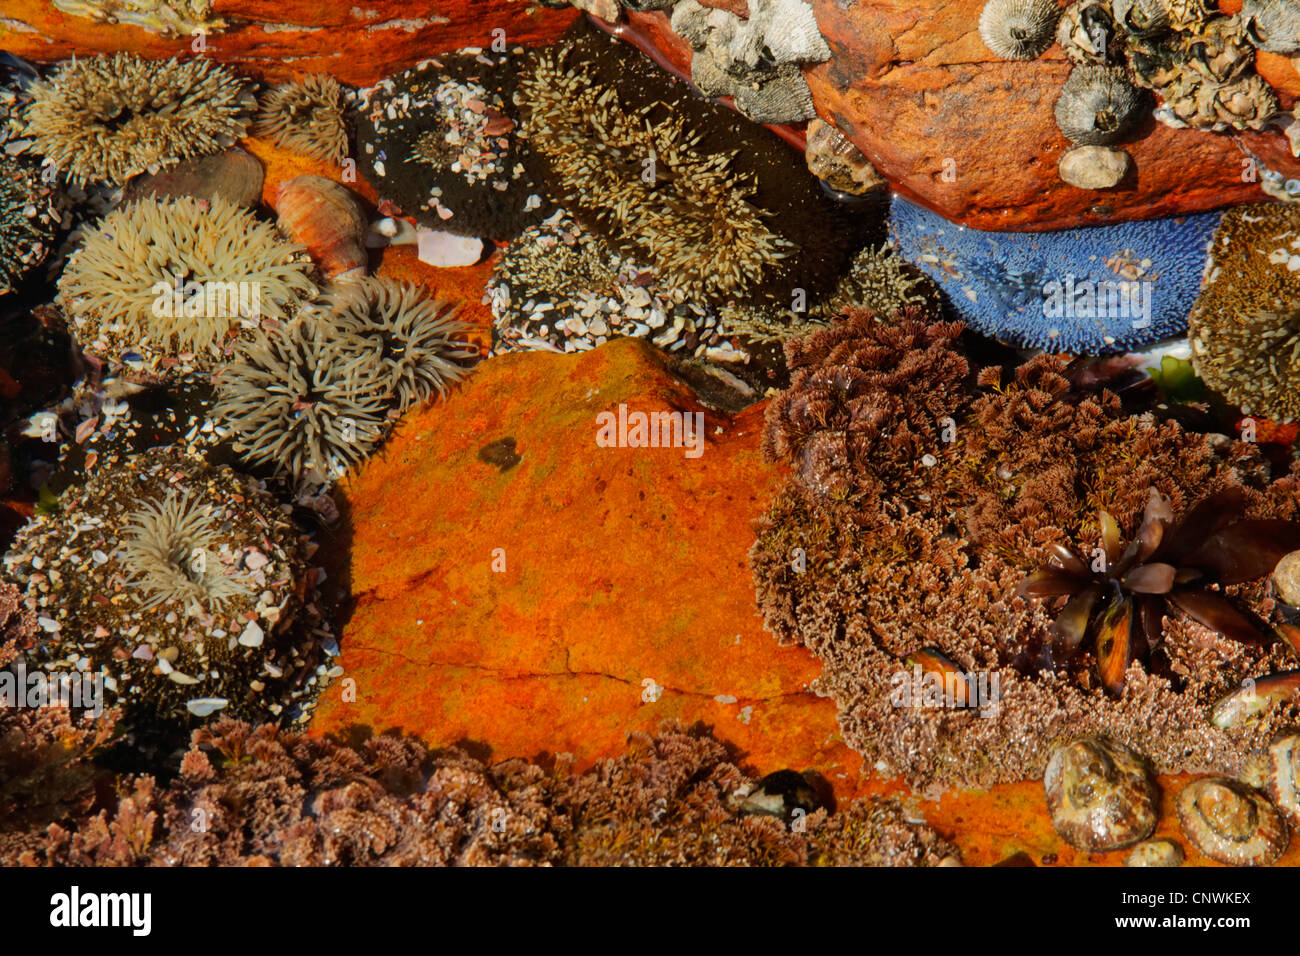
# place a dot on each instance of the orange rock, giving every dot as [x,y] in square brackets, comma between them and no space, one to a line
[581,594]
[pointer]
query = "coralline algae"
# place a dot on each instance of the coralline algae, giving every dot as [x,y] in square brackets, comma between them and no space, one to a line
[1101,290]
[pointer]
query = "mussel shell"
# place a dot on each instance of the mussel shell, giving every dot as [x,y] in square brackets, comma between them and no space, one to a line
[1231,823]
[1283,773]
[1100,794]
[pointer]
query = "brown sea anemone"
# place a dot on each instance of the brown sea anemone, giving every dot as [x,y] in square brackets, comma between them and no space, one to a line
[28,221]
[1120,598]
[307,399]
[179,583]
[643,178]
[416,340]
[305,116]
[106,118]
[1245,327]
[167,277]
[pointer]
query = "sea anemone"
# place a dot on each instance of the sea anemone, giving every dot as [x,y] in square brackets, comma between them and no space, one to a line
[1245,326]
[305,116]
[164,278]
[1120,598]
[179,583]
[691,214]
[416,340]
[1274,25]
[1098,105]
[307,399]
[1091,291]
[440,141]
[1019,29]
[27,221]
[171,551]
[104,119]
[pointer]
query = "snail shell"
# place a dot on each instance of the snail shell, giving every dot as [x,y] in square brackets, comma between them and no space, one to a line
[323,216]
[1283,772]
[1100,794]
[1231,823]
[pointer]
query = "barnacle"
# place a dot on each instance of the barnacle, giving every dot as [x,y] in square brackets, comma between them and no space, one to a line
[1273,25]
[1098,105]
[1019,29]
[1143,17]
[757,59]
[104,119]
[1088,33]
[1119,599]
[306,116]
[163,277]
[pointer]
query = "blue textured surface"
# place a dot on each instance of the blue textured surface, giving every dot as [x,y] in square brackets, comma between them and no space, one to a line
[999,283]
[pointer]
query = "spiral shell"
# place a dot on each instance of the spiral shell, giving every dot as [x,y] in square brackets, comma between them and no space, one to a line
[1231,823]
[324,216]
[1098,105]
[1283,780]
[1273,25]
[1019,29]
[1100,794]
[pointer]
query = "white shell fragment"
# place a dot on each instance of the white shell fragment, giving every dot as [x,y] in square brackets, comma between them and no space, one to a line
[205,706]
[445,250]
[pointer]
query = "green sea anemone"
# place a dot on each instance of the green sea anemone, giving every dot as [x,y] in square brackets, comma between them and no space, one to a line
[171,277]
[306,116]
[308,399]
[415,340]
[107,118]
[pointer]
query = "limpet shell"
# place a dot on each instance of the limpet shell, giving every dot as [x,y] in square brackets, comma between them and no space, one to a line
[1231,823]
[1100,794]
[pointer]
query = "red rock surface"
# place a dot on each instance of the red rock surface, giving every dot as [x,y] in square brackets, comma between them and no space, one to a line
[357,43]
[912,84]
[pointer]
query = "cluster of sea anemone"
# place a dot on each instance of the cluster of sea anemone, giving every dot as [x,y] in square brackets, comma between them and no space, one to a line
[317,394]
